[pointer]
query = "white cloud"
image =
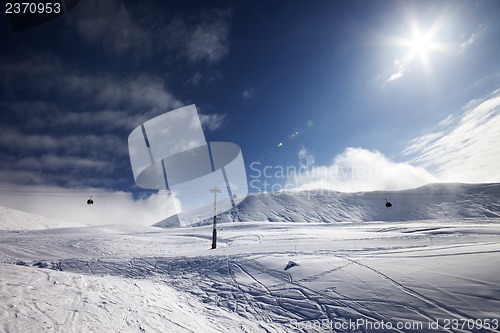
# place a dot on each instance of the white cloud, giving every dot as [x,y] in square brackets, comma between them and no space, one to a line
[249,93]
[397,75]
[306,159]
[402,71]
[460,149]
[475,37]
[212,121]
[110,207]
[465,45]
[468,149]
[447,121]
[355,170]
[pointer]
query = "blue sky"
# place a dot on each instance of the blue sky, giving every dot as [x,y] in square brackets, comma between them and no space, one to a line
[363,95]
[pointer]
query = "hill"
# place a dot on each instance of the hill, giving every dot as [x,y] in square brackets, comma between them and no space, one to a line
[12,219]
[433,201]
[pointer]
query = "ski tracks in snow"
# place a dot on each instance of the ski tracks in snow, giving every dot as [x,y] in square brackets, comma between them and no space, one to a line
[256,287]
[373,283]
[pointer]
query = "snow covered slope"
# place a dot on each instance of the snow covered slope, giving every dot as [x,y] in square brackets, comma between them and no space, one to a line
[434,201]
[12,219]
[350,277]
[430,261]
[53,301]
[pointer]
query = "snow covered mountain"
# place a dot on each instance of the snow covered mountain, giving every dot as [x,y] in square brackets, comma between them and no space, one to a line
[433,201]
[12,219]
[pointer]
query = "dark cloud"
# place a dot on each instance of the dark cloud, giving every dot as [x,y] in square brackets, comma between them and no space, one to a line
[55,163]
[11,139]
[67,113]
[120,30]
[142,91]
[75,124]
[113,97]
[110,24]
[206,40]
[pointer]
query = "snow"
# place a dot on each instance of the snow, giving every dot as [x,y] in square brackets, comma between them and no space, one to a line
[428,202]
[401,274]
[434,201]
[46,300]
[12,219]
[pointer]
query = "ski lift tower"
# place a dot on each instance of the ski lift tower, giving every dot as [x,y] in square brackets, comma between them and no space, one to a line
[215,190]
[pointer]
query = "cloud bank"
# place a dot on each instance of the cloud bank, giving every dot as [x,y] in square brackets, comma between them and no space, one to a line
[77,126]
[110,207]
[463,149]
[357,170]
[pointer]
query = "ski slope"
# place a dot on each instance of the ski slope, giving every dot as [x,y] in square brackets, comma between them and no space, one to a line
[438,274]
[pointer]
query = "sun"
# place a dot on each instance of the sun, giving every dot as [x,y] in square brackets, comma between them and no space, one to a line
[421,44]
[418,44]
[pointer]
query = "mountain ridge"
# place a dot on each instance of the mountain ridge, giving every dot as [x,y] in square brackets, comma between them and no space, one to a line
[432,201]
